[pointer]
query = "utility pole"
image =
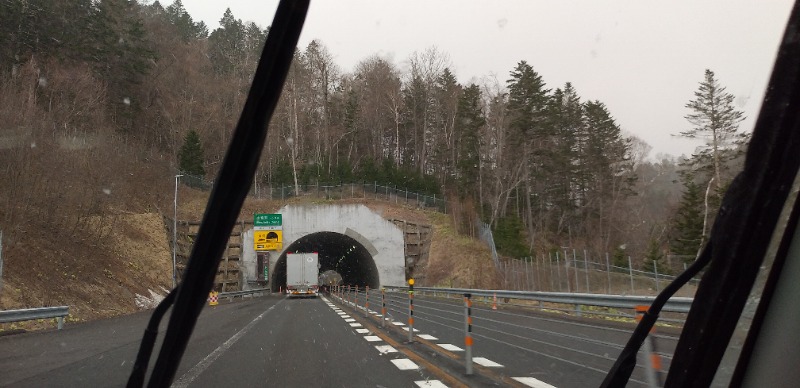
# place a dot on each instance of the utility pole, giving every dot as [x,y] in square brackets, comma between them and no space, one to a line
[175,235]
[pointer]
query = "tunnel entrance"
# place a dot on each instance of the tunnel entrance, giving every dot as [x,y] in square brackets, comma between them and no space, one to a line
[338,255]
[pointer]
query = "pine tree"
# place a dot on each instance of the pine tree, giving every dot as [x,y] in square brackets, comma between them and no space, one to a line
[688,223]
[468,123]
[716,120]
[654,257]
[191,155]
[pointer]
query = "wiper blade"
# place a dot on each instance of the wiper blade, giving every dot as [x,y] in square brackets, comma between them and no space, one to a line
[230,188]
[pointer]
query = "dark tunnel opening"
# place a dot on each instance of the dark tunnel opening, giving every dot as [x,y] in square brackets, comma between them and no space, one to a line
[342,260]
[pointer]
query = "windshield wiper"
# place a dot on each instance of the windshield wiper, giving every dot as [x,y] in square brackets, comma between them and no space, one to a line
[227,196]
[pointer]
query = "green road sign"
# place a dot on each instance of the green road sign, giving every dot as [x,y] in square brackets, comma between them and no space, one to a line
[267,219]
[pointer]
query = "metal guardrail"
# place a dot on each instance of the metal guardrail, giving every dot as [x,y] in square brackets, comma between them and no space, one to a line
[232,294]
[674,304]
[58,312]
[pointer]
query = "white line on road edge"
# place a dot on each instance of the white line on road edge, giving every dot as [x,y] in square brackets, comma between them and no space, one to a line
[486,362]
[386,349]
[430,383]
[451,347]
[531,382]
[201,366]
[404,364]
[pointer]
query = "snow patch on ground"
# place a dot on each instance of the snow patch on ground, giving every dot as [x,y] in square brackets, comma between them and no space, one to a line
[145,303]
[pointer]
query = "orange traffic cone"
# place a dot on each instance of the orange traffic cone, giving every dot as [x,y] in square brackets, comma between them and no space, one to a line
[494,302]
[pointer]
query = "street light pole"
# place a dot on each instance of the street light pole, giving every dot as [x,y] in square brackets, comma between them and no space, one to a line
[175,234]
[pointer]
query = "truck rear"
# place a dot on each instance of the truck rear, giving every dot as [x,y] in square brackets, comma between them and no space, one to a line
[302,274]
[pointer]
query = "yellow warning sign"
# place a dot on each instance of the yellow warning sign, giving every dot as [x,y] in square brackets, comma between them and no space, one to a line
[267,240]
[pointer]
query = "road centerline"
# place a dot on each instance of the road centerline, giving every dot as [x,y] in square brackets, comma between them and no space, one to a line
[201,366]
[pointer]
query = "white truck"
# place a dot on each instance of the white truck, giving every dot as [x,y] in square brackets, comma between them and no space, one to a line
[302,274]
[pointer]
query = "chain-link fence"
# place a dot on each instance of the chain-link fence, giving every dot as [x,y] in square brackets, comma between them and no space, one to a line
[568,271]
[352,190]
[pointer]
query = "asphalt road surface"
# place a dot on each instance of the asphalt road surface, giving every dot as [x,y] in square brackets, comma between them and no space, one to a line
[270,341]
[328,342]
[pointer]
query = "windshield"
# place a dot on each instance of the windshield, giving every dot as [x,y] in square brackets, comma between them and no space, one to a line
[558,162]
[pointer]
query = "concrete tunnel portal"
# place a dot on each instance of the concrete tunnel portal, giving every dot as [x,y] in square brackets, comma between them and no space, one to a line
[342,260]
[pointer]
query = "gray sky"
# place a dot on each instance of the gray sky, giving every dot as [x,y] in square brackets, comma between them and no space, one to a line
[643,59]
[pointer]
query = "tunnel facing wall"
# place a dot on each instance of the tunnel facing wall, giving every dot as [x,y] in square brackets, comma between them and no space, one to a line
[365,247]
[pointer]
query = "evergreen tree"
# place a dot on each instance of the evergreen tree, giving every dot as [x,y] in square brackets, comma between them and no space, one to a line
[688,223]
[191,155]
[227,44]
[654,257]
[468,123]
[716,120]
[187,28]
[509,238]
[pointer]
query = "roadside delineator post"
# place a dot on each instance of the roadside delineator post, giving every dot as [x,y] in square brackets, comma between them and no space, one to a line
[494,302]
[383,307]
[356,298]
[366,303]
[468,333]
[653,366]
[410,310]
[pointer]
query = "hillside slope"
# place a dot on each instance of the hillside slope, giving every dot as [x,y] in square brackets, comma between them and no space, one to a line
[130,260]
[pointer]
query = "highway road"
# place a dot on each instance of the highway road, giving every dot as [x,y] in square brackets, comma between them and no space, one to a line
[270,340]
[325,342]
[558,350]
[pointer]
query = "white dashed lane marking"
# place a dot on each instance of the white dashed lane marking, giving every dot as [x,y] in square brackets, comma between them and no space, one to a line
[486,362]
[427,337]
[355,324]
[372,338]
[349,320]
[404,364]
[396,323]
[362,331]
[451,347]
[531,382]
[406,329]
[386,349]
[430,383]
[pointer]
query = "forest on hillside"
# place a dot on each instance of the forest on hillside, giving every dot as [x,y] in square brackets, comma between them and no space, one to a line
[113,95]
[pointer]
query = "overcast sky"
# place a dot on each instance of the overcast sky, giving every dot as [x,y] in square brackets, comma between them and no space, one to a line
[643,59]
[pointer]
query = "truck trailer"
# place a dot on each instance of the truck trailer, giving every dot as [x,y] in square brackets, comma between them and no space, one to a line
[302,274]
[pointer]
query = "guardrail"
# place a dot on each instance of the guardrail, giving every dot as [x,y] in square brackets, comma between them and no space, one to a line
[232,294]
[58,312]
[674,304]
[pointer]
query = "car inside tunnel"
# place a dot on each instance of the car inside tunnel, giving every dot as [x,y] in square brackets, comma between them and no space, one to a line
[342,260]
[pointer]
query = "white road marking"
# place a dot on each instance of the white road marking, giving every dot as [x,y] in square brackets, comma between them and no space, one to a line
[398,323]
[486,362]
[372,338]
[406,329]
[201,366]
[355,324]
[362,331]
[349,320]
[531,382]
[427,337]
[386,349]
[430,383]
[451,347]
[404,364]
